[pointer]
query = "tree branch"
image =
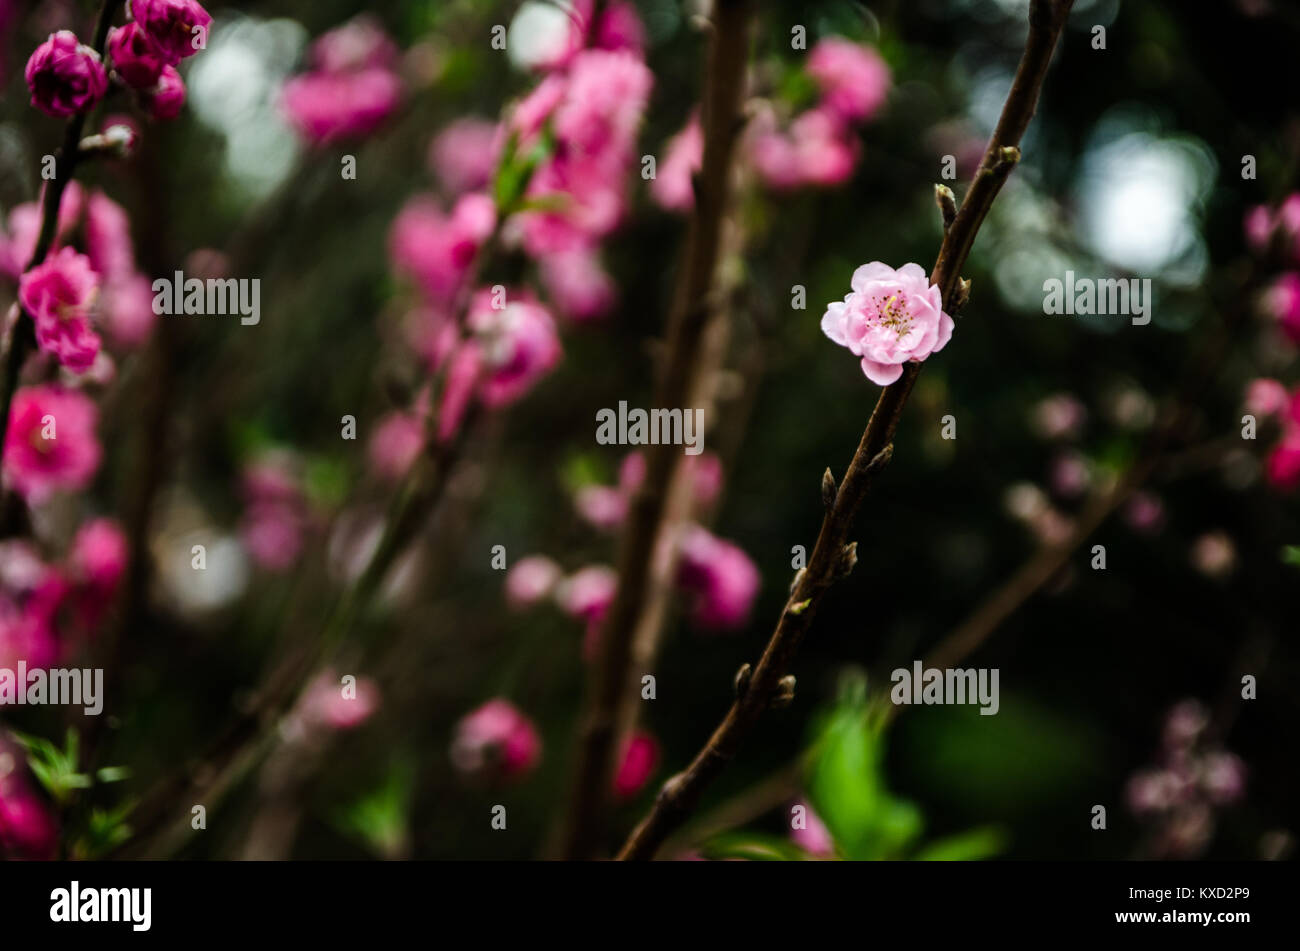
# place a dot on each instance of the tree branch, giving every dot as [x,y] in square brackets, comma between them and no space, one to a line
[692,322]
[680,794]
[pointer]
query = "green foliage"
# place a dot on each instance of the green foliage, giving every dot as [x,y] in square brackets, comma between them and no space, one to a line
[381,817]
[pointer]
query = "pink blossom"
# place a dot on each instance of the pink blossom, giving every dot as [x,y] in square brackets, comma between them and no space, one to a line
[1283,302]
[529,580]
[1214,554]
[437,250]
[518,341]
[275,516]
[50,444]
[108,237]
[578,283]
[27,827]
[588,593]
[396,443]
[328,107]
[640,757]
[25,225]
[359,44]
[465,154]
[706,478]
[854,79]
[65,76]
[175,26]
[165,100]
[99,555]
[58,293]
[329,703]
[1283,466]
[496,741]
[1223,778]
[1266,397]
[817,150]
[601,506]
[29,600]
[463,371]
[135,56]
[620,28]
[1144,512]
[672,188]
[431,333]
[1070,475]
[603,104]
[127,312]
[1060,416]
[891,317]
[531,112]
[814,838]
[720,576]
[1258,227]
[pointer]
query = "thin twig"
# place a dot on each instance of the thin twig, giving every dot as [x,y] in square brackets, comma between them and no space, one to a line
[832,556]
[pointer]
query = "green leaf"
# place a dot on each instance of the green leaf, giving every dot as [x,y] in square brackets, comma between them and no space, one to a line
[969,846]
[1291,555]
[752,846]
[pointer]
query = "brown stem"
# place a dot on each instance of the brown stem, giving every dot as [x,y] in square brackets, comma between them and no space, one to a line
[692,322]
[831,557]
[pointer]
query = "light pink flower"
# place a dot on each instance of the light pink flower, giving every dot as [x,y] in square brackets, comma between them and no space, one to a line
[325,704]
[1258,227]
[1070,476]
[1214,554]
[640,757]
[890,318]
[818,150]
[814,838]
[588,593]
[135,56]
[50,444]
[1283,301]
[518,342]
[108,237]
[578,283]
[601,506]
[358,44]
[465,154]
[65,76]
[463,372]
[328,107]
[99,554]
[854,79]
[171,24]
[496,741]
[1145,512]
[529,580]
[396,443]
[127,310]
[606,96]
[672,188]
[1266,397]
[59,293]
[166,98]
[1060,416]
[275,516]
[720,576]
[438,250]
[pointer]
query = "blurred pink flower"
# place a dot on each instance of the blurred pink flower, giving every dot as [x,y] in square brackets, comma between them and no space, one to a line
[27,826]
[59,294]
[720,576]
[529,580]
[854,79]
[1060,416]
[814,838]
[438,250]
[496,741]
[360,43]
[577,283]
[1214,554]
[891,317]
[134,56]
[275,513]
[1070,475]
[672,188]
[397,441]
[588,593]
[50,444]
[640,757]
[328,107]
[108,237]
[1266,397]
[819,149]
[99,554]
[1283,301]
[601,506]
[1145,512]
[127,310]
[329,703]
[175,26]
[465,154]
[65,76]
[518,342]
[1282,468]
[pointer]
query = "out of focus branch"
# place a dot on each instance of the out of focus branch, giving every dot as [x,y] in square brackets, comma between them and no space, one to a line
[692,322]
[832,556]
